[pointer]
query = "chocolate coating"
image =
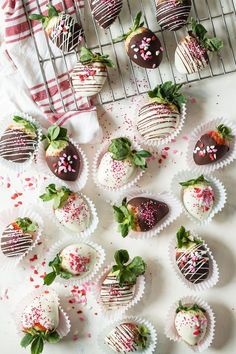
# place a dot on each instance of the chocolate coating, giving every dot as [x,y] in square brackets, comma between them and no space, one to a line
[17,145]
[105,12]
[66,163]
[14,242]
[148,212]
[172,14]
[194,263]
[207,150]
[144,48]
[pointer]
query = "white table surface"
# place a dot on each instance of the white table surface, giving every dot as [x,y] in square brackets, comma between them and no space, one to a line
[208,99]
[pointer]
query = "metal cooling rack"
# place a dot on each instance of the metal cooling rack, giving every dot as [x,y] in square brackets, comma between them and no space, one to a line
[128,80]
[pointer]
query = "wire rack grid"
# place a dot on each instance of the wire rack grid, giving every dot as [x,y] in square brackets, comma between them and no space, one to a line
[127,79]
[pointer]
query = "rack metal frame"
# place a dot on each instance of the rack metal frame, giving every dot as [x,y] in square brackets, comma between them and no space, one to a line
[127,81]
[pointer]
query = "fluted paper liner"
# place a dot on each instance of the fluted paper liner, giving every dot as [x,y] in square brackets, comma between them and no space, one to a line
[118,313]
[104,148]
[7,217]
[64,323]
[218,187]
[49,205]
[170,330]
[20,167]
[174,211]
[151,342]
[195,136]
[163,141]
[84,167]
[60,245]
[213,275]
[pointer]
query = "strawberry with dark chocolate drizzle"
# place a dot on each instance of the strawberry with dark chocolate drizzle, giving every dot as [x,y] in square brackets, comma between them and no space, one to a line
[139,214]
[62,156]
[142,45]
[213,145]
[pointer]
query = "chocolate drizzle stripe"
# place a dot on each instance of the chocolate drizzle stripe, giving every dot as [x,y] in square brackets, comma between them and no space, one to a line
[122,338]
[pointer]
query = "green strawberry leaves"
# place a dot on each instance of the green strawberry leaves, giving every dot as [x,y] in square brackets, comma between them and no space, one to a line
[26,224]
[192,182]
[52,12]
[124,217]
[57,270]
[56,137]
[184,238]
[87,56]
[127,273]
[192,307]
[59,196]
[37,339]
[121,149]
[225,132]
[168,93]
[143,334]
[31,127]
[211,44]
[136,25]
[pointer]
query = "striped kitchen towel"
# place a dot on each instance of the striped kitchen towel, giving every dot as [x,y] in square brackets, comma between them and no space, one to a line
[44,70]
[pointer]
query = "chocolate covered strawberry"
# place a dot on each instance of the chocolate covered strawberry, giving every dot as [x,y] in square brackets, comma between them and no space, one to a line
[192,257]
[61,28]
[198,197]
[213,145]
[105,12]
[118,165]
[18,237]
[39,322]
[90,73]
[62,156]
[128,337]
[142,45]
[160,117]
[70,208]
[139,214]
[172,14]
[118,286]
[191,54]
[191,323]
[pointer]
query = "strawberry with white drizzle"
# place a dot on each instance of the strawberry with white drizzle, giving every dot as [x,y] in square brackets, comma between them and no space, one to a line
[198,197]
[172,14]
[90,73]
[191,54]
[105,12]
[191,323]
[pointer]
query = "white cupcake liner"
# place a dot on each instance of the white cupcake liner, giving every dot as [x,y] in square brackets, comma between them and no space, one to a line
[60,245]
[84,168]
[14,166]
[174,205]
[103,149]
[166,140]
[218,187]
[195,136]
[64,323]
[213,276]
[152,338]
[9,215]
[94,217]
[118,313]
[170,330]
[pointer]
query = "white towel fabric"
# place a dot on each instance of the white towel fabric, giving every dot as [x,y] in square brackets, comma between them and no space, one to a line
[21,76]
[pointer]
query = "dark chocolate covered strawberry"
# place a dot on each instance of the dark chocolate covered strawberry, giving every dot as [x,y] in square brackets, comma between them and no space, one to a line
[192,257]
[213,145]
[61,28]
[62,156]
[139,214]
[172,14]
[160,117]
[18,237]
[191,54]
[105,12]
[142,45]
